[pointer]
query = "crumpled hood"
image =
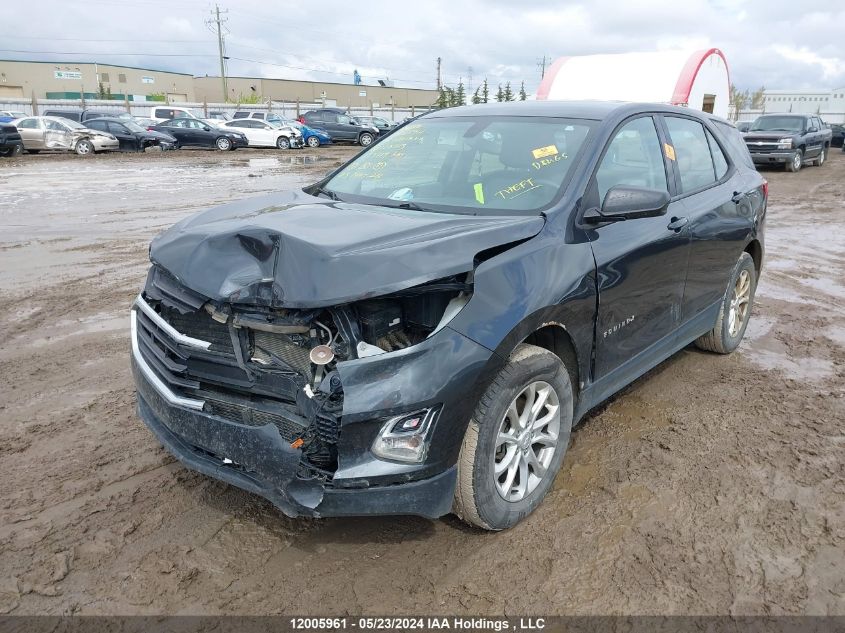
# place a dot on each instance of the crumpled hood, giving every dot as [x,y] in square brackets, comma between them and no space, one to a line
[295,250]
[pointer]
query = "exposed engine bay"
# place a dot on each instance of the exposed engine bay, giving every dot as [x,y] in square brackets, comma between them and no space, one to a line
[287,357]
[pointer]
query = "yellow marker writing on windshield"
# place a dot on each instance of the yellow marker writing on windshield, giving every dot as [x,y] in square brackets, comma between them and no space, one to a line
[479,192]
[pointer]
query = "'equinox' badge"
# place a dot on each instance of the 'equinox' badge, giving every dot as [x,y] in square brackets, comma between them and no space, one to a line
[618,326]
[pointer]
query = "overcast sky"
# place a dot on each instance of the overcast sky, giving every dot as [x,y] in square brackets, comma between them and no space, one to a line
[782,44]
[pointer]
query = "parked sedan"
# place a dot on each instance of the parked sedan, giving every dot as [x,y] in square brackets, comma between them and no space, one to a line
[199,133]
[311,136]
[263,134]
[7,116]
[131,136]
[382,125]
[51,133]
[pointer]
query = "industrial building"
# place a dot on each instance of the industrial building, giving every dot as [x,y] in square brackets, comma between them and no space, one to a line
[210,89]
[805,101]
[70,80]
[696,79]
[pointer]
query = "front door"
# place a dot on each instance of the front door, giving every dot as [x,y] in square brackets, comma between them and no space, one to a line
[641,263]
[32,133]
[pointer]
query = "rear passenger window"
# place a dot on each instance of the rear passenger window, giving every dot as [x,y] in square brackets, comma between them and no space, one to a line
[633,158]
[692,153]
[719,160]
[732,138]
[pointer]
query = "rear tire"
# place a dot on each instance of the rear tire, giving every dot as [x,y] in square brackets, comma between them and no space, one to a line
[821,158]
[797,161]
[507,464]
[735,310]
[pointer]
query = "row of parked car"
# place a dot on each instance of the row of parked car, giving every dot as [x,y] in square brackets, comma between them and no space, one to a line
[89,131]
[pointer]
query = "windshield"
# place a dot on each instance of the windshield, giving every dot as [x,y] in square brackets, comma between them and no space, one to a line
[133,127]
[73,124]
[473,165]
[778,124]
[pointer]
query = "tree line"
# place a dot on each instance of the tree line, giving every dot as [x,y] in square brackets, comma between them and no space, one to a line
[747,99]
[449,97]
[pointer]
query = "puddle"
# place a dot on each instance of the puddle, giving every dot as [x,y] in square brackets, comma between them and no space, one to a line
[93,324]
[807,368]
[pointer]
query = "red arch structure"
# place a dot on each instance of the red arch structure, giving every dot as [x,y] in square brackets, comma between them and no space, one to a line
[683,85]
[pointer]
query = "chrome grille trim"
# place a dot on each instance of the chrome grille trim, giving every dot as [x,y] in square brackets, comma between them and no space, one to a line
[164,325]
[148,372]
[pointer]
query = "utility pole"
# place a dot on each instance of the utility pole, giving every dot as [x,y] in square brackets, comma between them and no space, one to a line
[439,83]
[217,22]
[542,66]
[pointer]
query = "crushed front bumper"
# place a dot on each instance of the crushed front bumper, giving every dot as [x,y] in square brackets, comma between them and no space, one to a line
[258,459]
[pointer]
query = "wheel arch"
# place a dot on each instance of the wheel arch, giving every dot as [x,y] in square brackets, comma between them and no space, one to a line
[755,249]
[554,337]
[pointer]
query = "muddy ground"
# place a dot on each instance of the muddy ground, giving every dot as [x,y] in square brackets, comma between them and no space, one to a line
[712,485]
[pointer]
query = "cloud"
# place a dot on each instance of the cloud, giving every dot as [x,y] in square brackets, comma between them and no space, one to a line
[775,43]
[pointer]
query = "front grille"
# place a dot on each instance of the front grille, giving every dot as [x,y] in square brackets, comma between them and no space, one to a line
[200,325]
[214,375]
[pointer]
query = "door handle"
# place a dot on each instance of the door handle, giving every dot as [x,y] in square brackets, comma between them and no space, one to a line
[677,224]
[738,197]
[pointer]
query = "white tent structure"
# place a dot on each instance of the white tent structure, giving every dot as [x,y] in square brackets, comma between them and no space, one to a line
[697,79]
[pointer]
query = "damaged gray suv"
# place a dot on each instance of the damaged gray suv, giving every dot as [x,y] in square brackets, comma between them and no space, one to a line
[418,332]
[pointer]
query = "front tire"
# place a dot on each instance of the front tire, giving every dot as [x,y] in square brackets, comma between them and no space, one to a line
[797,161]
[515,441]
[735,311]
[223,144]
[283,142]
[313,141]
[84,147]
[365,139]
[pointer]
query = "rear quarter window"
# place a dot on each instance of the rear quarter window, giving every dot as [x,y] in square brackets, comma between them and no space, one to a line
[734,143]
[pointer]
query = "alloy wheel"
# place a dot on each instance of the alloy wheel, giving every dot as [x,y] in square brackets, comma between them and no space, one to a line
[526,441]
[738,309]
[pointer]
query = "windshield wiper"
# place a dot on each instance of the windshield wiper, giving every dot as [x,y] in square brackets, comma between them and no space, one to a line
[328,193]
[411,206]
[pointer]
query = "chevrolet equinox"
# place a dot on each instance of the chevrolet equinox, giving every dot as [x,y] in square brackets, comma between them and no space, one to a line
[418,332]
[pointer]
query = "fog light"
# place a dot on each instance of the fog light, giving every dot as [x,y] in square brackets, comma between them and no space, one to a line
[404,438]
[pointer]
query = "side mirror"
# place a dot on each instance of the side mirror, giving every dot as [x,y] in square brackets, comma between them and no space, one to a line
[627,202]
[206,128]
[810,130]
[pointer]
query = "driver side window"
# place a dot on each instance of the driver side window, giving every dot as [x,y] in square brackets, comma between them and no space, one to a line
[633,157]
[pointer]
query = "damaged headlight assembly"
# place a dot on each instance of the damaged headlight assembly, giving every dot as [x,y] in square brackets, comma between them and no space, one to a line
[404,438]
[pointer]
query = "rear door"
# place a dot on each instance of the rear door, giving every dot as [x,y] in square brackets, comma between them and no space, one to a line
[127,139]
[641,263]
[714,194]
[57,135]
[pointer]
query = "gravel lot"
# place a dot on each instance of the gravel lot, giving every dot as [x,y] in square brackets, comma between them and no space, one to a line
[712,485]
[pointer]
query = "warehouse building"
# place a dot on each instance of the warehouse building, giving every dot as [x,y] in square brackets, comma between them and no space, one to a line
[70,80]
[697,79]
[805,101]
[210,89]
